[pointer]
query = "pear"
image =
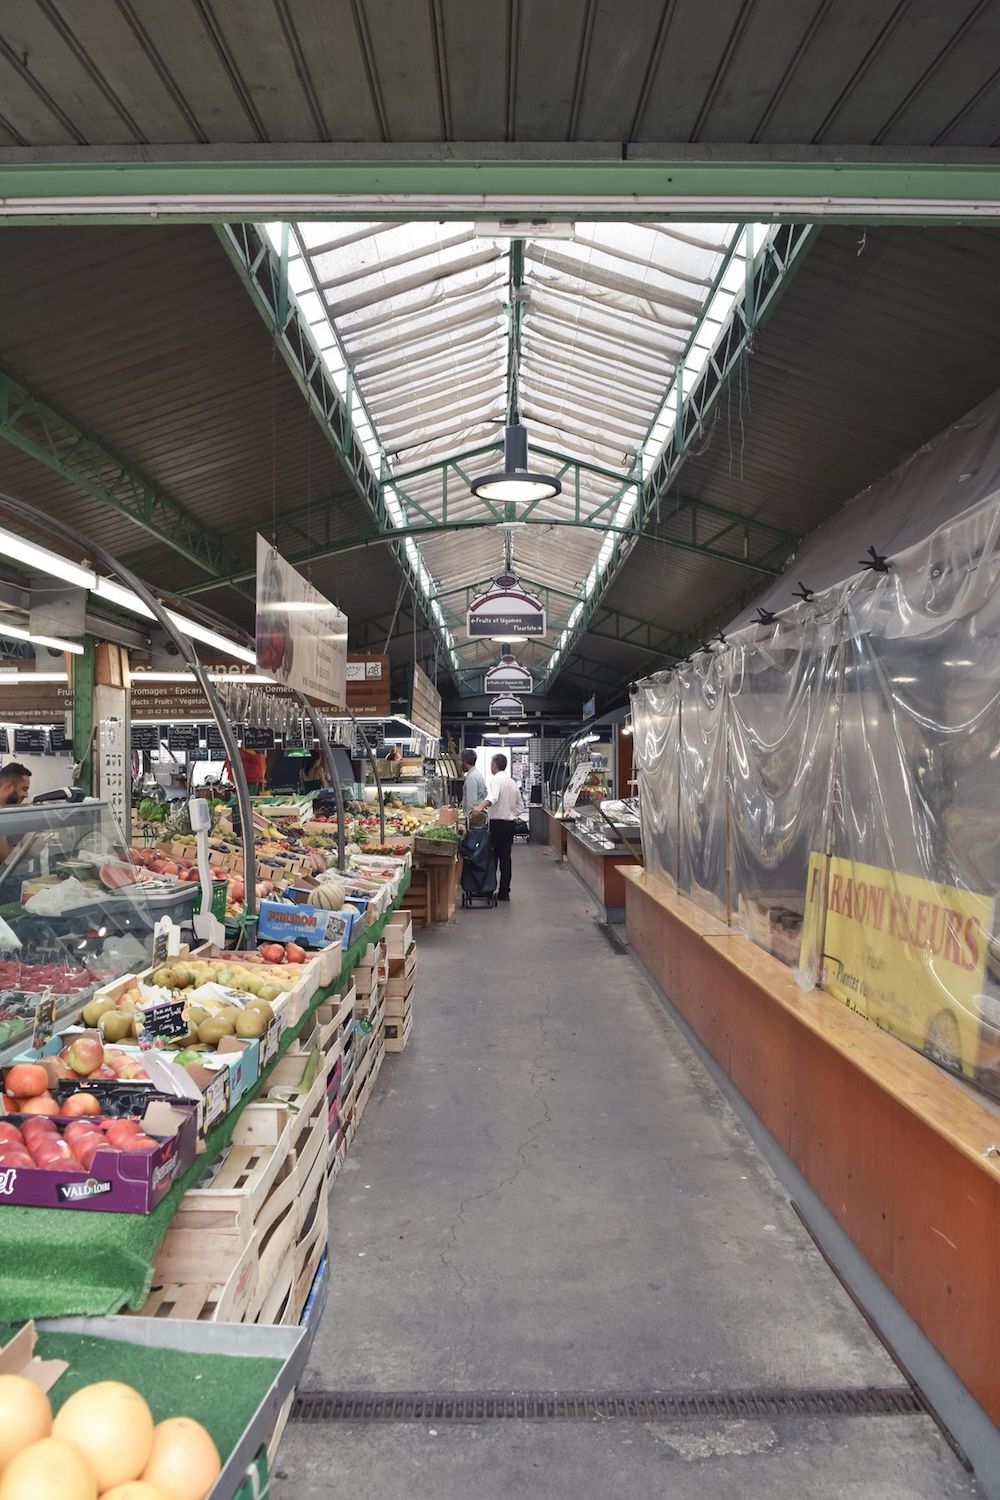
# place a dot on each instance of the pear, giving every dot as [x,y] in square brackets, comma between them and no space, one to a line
[115,1025]
[213,1030]
[250,1023]
[262,1008]
[95,1009]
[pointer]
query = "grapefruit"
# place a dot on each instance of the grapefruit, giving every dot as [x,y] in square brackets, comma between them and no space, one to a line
[25,1415]
[112,1426]
[48,1470]
[184,1462]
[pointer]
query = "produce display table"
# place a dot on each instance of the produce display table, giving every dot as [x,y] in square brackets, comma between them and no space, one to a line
[59,1262]
[600,870]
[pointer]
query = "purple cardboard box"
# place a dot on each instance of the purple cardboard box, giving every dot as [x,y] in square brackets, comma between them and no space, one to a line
[122,1182]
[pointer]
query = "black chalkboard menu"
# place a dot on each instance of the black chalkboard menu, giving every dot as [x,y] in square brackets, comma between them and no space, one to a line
[145,737]
[29,741]
[214,738]
[58,743]
[4,742]
[258,739]
[183,737]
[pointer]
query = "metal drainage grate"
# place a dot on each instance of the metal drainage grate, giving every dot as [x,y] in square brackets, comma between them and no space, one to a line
[613,937]
[541,1406]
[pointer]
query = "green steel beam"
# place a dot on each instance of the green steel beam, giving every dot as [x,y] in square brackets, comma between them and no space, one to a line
[260,271]
[772,269]
[515,314]
[34,427]
[538,181]
[83,670]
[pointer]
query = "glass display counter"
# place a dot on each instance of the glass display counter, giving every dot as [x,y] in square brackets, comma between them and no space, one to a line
[72,916]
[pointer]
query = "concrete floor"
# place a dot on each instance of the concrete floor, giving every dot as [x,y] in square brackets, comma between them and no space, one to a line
[549,1193]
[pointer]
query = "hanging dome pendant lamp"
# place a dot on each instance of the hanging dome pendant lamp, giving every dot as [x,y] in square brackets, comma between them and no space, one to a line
[516,483]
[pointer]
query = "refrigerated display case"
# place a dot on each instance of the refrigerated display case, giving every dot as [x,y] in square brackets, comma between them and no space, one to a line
[68,920]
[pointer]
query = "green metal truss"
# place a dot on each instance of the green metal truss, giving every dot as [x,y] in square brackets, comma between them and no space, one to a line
[264,274]
[30,424]
[666,517]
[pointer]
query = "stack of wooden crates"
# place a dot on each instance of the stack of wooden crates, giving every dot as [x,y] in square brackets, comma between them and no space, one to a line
[402,966]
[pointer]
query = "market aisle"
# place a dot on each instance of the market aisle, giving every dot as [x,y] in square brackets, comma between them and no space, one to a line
[549,1194]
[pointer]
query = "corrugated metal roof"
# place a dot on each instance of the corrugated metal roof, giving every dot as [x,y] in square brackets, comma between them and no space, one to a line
[146,339]
[859,72]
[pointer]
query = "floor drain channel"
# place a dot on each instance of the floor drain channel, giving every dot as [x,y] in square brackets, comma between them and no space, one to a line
[581,1406]
[613,938]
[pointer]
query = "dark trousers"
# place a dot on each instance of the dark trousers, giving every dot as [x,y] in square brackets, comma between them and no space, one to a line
[502,838]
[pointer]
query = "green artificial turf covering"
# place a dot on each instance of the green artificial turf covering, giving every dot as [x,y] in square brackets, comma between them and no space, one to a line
[220,1391]
[57,1262]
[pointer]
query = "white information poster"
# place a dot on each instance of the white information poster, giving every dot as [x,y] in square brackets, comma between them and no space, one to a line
[301,637]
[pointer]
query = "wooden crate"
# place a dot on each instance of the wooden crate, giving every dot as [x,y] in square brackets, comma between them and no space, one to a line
[313,1239]
[246,1192]
[398,1007]
[322,1030]
[417,900]
[397,1034]
[201,1302]
[398,934]
[400,982]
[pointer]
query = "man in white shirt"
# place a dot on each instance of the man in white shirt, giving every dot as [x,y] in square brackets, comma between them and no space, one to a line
[504,805]
[474,786]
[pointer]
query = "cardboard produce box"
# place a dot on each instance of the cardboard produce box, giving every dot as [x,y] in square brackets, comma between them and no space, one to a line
[116,1181]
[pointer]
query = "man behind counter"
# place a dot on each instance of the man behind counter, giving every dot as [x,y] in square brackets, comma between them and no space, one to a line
[15,784]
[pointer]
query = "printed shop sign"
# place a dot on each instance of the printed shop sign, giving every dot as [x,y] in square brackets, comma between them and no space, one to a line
[368,687]
[508,676]
[506,609]
[908,953]
[505,706]
[301,637]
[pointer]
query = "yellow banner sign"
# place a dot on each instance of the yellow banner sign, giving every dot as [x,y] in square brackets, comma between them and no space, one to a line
[907,953]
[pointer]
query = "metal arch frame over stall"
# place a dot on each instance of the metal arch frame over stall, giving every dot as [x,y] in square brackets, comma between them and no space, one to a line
[25,512]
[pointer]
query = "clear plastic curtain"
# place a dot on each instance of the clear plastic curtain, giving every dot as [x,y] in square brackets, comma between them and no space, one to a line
[917,833]
[781,720]
[837,780]
[656,754]
[703,810]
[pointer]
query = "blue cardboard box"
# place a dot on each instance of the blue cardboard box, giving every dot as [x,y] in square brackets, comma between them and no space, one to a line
[310,926]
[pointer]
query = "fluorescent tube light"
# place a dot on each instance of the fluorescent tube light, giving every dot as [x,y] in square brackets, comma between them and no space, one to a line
[18,549]
[17,634]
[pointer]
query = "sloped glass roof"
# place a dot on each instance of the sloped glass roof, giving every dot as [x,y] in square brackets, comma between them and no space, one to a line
[425,318]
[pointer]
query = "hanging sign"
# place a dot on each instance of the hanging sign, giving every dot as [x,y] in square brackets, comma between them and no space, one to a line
[368,687]
[301,637]
[29,741]
[58,743]
[506,609]
[183,737]
[506,706]
[258,739]
[38,703]
[4,742]
[508,676]
[145,736]
[214,740]
[425,703]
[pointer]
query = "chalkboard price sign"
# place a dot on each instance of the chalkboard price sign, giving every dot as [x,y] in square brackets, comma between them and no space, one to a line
[58,743]
[4,742]
[214,738]
[29,741]
[162,1022]
[258,739]
[183,737]
[145,737]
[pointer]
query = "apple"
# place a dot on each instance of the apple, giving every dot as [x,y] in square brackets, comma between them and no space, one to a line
[87,1150]
[44,1104]
[26,1080]
[10,1132]
[294,954]
[15,1156]
[272,953]
[53,1149]
[85,1054]
[120,1131]
[139,1143]
[81,1103]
